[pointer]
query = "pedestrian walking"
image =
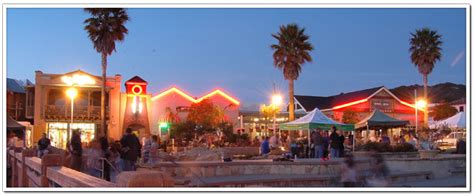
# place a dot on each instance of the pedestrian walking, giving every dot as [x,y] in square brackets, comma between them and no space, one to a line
[75,149]
[104,146]
[348,172]
[130,151]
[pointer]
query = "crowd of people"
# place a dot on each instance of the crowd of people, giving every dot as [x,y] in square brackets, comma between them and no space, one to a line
[103,155]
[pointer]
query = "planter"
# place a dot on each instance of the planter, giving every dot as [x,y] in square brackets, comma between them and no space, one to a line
[399,154]
[428,154]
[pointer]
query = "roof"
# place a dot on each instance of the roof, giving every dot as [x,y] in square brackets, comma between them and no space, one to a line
[15,86]
[458,102]
[311,102]
[380,119]
[12,124]
[314,119]
[136,80]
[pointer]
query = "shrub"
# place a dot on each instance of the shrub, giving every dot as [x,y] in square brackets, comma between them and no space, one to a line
[385,147]
[403,147]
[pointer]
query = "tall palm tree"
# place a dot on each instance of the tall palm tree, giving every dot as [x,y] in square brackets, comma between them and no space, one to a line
[105,27]
[291,52]
[425,48]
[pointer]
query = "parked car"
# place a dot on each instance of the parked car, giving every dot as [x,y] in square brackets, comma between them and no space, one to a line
[451,139]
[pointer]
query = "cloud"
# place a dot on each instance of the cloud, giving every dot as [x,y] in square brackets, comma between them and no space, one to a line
[457,58]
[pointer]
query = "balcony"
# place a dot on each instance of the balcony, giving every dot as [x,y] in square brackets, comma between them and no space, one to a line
[81,113]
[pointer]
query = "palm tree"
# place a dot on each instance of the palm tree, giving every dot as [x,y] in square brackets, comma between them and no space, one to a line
[425,48]
[291,52]
[105,27]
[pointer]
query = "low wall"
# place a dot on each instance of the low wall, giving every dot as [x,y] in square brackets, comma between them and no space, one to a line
[254,167]
[441,166]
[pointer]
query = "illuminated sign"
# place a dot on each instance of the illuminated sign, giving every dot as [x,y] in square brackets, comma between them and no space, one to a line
[191,99]
[137,89]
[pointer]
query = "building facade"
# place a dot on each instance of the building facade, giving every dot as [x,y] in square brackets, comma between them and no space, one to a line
[55,115]
[173,105]
[362,103]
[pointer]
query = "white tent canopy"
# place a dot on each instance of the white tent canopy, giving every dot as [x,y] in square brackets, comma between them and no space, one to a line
[456,121]
[314,120]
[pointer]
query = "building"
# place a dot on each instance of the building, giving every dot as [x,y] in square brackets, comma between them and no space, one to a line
[135,108]
[173,105]
[16,99]
[53,113]
[254,123]
[362,102]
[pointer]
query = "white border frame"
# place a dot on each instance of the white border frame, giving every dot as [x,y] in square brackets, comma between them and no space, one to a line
[245,4]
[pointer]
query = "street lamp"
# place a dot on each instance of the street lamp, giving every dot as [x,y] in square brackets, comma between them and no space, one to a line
[71,93]
[277,100]
[419,104]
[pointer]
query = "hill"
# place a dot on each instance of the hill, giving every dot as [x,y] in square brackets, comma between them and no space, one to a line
[443,92]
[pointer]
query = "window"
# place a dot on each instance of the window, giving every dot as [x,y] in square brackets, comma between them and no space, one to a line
[56,97]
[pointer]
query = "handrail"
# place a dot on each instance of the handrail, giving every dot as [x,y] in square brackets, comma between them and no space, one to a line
[102,161]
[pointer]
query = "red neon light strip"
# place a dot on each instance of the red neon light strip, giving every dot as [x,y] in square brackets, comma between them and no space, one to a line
[349,104]
[176,91]
[185,95]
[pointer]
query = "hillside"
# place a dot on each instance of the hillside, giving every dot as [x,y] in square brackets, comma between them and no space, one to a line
[443,92]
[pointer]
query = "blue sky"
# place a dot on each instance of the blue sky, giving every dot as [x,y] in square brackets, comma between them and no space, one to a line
[202,49]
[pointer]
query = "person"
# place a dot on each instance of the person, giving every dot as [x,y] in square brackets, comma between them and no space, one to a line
[461,146]
[13,139]
[43,145]
[265,146]
[348,172]
[334,142]
[104,146]
[146,149]
[130,151]
[274,141]
[154,150]
[325,146]
[318,144]
[75,149]
[351,139]
[379,172]
[385,139]
[341,143]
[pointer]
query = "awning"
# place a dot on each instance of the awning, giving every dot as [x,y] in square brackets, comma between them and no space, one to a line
[315,120]
[456,121]
[13,125]
[380,119]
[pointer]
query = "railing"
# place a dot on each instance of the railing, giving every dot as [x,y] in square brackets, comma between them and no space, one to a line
[30,171]
[57,112]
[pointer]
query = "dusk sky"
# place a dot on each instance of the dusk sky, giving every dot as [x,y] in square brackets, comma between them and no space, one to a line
[202,49]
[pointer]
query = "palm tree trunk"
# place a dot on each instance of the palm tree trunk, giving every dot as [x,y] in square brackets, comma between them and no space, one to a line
[103,130]
[291,93]
[425,94]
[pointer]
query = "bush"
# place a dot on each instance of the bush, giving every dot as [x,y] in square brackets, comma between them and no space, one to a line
[403,147]
[385,147]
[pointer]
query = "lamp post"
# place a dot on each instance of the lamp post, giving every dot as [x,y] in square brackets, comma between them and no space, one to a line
[71,93]
[276,102]
[419,104]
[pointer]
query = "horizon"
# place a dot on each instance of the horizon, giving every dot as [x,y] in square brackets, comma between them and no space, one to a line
[199,34]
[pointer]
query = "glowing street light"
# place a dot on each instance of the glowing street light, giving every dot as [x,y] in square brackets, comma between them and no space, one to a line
[71,93]
[420,104]
[277,100]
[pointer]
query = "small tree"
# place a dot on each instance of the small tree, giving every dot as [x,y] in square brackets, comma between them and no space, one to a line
[443,111]
[205,114]
[350,117]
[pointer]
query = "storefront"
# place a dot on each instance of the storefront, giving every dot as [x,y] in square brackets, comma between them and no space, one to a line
[59,133]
